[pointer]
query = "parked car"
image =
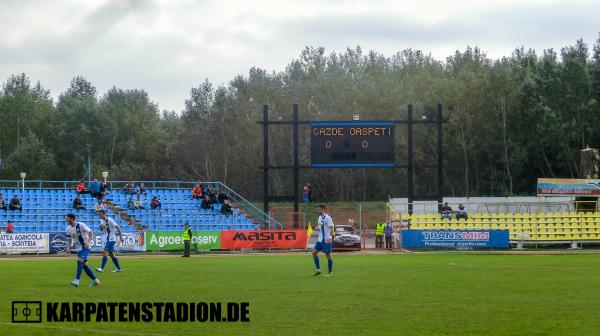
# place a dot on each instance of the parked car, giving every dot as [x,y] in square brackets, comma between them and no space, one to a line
[346,237]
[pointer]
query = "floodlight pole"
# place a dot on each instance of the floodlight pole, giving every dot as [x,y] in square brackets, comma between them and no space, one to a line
[89,152]
[296,159]
[266,163]
[410,169]
[440,157]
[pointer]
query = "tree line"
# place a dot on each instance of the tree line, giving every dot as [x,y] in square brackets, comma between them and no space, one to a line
[509,121]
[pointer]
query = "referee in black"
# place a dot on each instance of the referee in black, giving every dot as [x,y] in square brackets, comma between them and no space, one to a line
[187,238]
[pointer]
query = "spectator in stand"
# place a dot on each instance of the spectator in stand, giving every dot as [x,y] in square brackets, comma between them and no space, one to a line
[305,193]
[127,189]
[95,189]
[142,189]
[10,228]
[130,204]
[138,203]
[388,231]
[222,197]
[80,188]
[155,203]
[104,189]
[15,204]
[212,195]
[2,204]
[397,226]
[78,203]
[310,198]
[446,211]
[206,204]
[461,212]
[226,208]
[197,192]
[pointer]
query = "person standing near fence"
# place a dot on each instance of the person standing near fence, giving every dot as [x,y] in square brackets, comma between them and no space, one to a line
[379,228]
[187,238]
[397,226]
[388,231]
[305,193]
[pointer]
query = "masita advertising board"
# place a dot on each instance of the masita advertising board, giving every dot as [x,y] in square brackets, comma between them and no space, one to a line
[14,243]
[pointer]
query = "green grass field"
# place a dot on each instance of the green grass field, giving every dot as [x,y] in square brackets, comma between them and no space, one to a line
[388,294]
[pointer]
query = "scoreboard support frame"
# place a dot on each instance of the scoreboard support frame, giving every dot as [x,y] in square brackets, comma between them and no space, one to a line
[295,167]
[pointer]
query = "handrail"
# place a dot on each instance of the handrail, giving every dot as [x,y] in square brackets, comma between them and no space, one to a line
[265,217]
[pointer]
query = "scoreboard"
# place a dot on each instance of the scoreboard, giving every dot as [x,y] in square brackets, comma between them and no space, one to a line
[352,144]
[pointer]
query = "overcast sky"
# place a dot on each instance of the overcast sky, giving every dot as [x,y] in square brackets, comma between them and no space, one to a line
[167,47]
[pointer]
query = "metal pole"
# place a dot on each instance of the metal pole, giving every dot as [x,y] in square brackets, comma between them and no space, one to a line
[440,163]
[440,157]
[18,126]
[266,162]
[410,170]
[360,224]
[296,170]
[89,150]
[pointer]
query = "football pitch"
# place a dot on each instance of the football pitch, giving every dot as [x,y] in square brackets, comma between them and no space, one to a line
[369,294]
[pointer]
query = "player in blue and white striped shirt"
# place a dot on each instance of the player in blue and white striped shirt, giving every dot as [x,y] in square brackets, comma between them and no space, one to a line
[324,242]
[109,228]
[81,235]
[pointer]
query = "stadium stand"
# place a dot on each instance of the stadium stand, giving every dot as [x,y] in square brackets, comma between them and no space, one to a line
[551,226]
[536,219]
[44,211]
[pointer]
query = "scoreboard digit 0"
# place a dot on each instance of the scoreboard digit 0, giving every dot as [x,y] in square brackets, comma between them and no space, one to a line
[352,144]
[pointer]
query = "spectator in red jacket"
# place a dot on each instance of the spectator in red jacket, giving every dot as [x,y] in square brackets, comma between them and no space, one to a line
[197,192]
[305,193]
[10,228]
[155,203]
[80,188]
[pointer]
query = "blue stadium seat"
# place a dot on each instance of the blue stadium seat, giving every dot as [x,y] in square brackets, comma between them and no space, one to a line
[44,210]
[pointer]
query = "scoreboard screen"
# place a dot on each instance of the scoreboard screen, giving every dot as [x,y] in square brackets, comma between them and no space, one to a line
[352,144]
